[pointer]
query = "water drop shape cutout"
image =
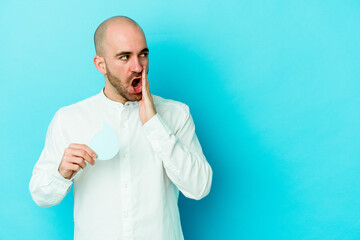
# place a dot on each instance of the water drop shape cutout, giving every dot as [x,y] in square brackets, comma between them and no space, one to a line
[105,143]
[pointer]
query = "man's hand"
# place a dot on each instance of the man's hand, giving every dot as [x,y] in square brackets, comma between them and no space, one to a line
[146,104]
[74,159]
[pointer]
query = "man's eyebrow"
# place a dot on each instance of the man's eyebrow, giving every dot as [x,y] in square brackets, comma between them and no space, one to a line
[122,53]
[129,53]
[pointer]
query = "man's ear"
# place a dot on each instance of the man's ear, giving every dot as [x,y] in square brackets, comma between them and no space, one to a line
[100,64]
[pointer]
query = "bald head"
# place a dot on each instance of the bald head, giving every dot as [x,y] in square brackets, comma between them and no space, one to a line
[101,31]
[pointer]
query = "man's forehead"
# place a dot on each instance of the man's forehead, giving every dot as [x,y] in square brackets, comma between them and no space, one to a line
[120,35]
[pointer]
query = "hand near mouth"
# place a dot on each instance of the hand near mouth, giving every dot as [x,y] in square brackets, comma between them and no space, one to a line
[146,104]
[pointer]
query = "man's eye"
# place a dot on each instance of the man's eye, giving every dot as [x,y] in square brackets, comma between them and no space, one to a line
[143,54]
[124,57]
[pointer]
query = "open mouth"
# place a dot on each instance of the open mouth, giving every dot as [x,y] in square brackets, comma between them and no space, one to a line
[136,84]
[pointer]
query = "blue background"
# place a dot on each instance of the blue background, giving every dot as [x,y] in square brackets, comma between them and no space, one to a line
[273,87]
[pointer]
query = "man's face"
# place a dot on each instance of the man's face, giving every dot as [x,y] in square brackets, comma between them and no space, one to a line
[126,55]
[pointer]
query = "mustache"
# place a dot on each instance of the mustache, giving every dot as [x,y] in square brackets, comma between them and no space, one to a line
[136,75]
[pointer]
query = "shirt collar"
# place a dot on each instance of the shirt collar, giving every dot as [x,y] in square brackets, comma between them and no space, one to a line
[112,103]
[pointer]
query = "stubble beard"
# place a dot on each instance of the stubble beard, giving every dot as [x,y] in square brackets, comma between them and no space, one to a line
[116,83]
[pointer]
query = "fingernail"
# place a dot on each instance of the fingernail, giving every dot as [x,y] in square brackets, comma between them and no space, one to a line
[94,155]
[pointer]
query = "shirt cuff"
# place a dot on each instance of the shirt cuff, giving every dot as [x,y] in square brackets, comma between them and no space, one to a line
[157,132]
[62,183]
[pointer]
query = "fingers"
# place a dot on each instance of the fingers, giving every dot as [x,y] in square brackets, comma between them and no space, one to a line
[69,159]
[85,148]
[75,158]
[72,166]
[143,74]
[83,151]
[79,161]
[144,81]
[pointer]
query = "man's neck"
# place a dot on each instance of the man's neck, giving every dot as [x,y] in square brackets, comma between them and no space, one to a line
[111,93]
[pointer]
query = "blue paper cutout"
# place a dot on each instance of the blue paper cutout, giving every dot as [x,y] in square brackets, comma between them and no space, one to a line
[105,143]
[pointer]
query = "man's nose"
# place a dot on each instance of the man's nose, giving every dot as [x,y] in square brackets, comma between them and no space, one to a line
[136,65]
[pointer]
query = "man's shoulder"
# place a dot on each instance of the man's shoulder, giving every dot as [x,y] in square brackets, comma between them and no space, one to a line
[170,105]
[79,107]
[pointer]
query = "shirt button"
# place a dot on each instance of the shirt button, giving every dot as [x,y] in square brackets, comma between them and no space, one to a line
[126,214]
[126,185]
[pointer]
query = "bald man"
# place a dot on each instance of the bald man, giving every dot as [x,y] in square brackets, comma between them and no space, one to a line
[133,193]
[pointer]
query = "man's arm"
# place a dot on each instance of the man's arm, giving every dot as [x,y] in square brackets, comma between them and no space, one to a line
[52,178]
[182,156]
[47,186]
[181,153]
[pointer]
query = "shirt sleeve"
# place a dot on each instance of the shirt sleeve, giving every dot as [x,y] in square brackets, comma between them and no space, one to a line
[47,187]
[182,156]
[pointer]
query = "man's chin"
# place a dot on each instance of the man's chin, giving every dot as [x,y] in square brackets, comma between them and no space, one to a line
[135,97]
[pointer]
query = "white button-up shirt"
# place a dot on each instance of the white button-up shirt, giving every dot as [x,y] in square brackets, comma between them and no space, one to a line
[135,194]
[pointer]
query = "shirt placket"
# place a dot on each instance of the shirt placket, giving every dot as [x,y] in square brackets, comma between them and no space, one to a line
[127,223]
